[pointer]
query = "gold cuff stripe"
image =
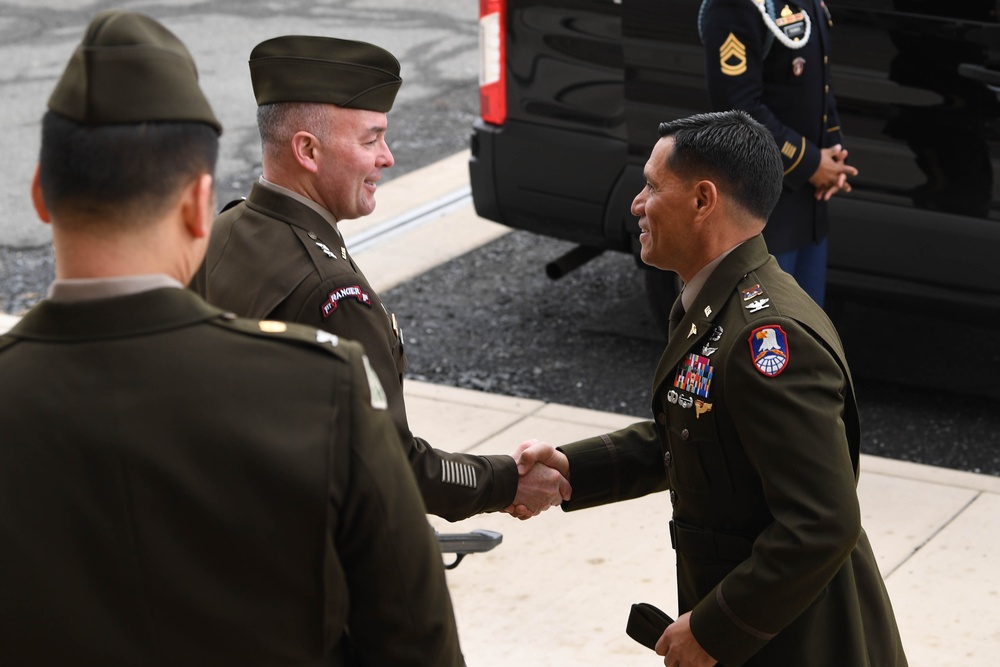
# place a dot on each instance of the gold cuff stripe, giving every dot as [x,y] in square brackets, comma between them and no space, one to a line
[835,128]
[788,150]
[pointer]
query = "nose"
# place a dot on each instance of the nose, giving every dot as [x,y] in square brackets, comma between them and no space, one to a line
[386,158]
[638,204]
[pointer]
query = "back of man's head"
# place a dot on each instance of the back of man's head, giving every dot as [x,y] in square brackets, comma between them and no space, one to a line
[128,124]
[734,151]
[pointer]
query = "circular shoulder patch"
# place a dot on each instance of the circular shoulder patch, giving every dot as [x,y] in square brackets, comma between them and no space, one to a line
[769,349]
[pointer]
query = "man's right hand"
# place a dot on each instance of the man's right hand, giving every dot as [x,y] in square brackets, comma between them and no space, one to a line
[543,479]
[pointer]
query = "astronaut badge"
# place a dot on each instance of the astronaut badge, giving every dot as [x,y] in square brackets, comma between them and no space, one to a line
[769,349]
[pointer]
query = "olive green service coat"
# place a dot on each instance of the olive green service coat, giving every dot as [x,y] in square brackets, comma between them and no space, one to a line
[756,436]
[274,257]
[181,487]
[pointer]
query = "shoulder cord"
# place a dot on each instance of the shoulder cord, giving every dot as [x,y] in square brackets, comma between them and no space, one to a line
[779,33]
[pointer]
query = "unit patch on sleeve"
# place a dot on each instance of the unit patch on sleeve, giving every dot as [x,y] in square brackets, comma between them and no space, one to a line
[769,349]
[351,292]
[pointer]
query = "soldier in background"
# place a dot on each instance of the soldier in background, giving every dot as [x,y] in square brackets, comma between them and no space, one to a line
[279,254]
[179,486]
[777,69]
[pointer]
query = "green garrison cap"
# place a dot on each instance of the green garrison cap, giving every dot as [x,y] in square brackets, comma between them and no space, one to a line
[348,74]
[130,69]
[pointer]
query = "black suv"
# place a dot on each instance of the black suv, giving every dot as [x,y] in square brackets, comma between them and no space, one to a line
[572,92]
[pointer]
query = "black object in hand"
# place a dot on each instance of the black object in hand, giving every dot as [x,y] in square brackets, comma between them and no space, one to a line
[646,624]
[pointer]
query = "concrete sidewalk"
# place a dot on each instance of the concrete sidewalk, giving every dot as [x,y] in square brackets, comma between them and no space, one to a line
[558,589]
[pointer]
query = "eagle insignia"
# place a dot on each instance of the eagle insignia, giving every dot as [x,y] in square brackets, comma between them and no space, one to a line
[769,349]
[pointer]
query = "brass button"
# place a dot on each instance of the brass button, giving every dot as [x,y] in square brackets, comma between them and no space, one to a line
[685,434]
[826,88]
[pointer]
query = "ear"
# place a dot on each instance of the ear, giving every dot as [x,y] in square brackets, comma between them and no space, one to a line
[38,199]
[706,199]
[197,206]
[305,146]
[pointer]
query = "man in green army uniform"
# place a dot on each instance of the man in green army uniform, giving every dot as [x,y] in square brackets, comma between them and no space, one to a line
[755,431]
[179,486]
[322,105]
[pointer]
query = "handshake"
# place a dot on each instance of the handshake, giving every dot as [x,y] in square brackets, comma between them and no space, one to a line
[543,479]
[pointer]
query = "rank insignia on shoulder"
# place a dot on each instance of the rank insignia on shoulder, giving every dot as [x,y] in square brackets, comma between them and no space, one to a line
[326,250]
[333,300]
[379,399]
[769,349]
[758,305]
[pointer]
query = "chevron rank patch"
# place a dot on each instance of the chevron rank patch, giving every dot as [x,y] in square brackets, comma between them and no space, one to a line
[769,349]
[733,56]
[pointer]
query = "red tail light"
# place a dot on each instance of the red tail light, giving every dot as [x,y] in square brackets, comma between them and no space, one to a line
[492,53]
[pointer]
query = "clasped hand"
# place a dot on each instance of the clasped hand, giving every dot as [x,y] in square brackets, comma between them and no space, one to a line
[831,174]
[543,479]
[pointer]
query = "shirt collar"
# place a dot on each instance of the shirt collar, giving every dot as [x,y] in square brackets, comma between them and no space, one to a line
[274,187]
[691,289]
[73,290]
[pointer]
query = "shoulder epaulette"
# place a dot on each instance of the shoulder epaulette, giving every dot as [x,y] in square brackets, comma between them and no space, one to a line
[6,341]
[289,332]
[754,299]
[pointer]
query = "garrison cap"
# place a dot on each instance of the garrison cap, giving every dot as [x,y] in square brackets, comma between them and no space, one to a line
[325,70]
[130,69]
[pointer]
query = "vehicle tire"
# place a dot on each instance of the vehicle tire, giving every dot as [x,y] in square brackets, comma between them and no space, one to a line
[662,288]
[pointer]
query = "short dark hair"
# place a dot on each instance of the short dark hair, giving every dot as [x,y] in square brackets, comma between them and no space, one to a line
[733,149]
[123,170]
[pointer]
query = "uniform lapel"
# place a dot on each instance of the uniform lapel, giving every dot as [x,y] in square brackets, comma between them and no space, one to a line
[707,305]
